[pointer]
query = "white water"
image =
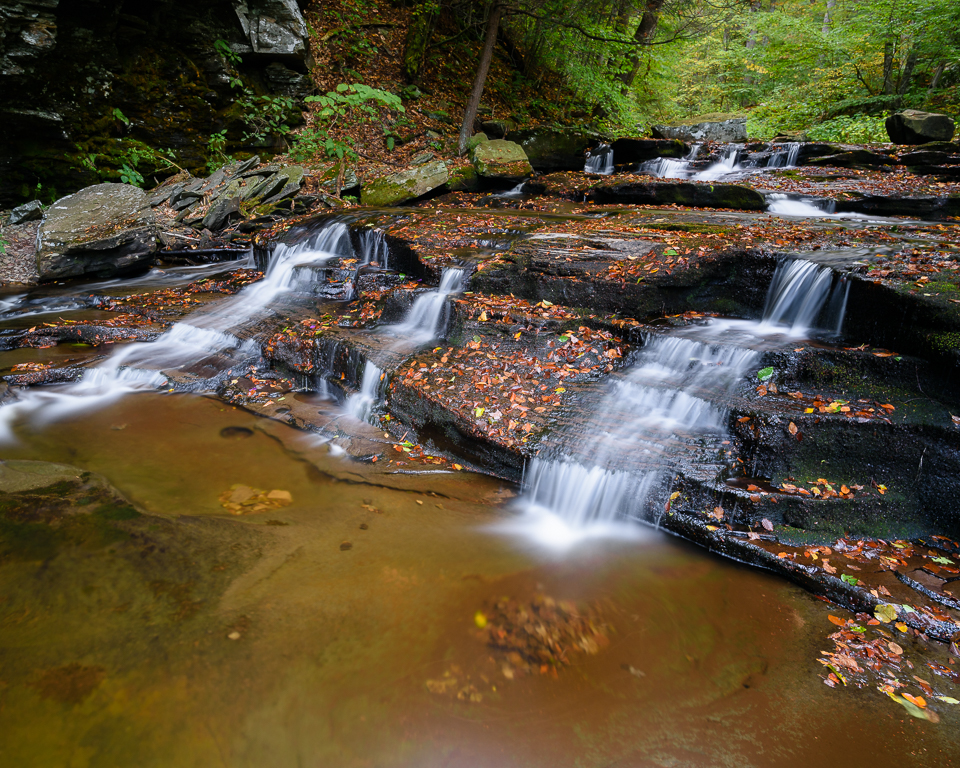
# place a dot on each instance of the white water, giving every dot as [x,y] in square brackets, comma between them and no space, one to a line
[782,156]
[789,206]
[669,167]
[362,403]
[600,161]
[425,319]
[654,418]
[207,343]
[724,167]
[374,249]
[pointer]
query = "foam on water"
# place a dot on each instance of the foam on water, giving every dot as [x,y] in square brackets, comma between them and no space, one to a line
[669,401]
[208,338]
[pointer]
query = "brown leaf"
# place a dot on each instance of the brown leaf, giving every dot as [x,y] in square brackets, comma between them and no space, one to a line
[766,524]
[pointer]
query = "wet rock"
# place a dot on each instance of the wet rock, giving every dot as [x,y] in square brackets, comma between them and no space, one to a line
[27,212]
[726,131]
[284,182]
[463,178]
[397,188]
[912,126]
[500,159]
[680,193]
[918,206]
[556,149]
[855,158]
[104,229]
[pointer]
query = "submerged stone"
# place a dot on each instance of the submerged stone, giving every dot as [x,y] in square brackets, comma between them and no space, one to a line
[103,229]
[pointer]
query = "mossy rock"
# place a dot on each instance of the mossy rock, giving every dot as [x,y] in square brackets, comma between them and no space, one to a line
[398,188]
[500,159]
[462,179]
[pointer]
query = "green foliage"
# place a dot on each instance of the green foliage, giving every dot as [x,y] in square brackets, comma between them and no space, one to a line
[264,116]
[223,48]
[353,102]
[859,129]
[216,150]
[130,175]
[120,116]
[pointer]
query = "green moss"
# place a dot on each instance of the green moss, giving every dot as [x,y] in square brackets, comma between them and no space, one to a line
[945,342]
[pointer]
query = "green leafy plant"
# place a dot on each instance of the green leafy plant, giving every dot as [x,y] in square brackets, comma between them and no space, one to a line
[130,175]
[223,48]
[353,102]
[216,150]
[120,116]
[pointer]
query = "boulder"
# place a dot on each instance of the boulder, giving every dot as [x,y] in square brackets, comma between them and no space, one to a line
[274,27]
[630,151]
[914,127]
[477,138]
[501,159]
[101,230]
[27,212]
[679,193]
[724,131]
[400,187]
[556,149]
[498,129]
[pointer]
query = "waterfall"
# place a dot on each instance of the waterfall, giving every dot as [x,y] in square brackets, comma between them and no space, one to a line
[362,403]
[725,166]
[600,160]
[374,249]
[665,411]
[785,156]
[426,318]
[799,206]
[669,167]
[192,354]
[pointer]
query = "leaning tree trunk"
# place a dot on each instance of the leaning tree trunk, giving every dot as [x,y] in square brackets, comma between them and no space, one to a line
[489,40]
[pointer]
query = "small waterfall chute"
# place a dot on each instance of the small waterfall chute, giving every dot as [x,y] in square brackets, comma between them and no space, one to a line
[599,160]
[671,167]
[426,317]
[361,403]
[724,167]
[666,405]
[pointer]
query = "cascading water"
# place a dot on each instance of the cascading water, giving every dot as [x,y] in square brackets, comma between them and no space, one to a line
[798,206]
[665,412]
[600,161]
[374,249]
[785,157]
[194,353]
[362,403]
[425,319]
[671,168]
[724,167]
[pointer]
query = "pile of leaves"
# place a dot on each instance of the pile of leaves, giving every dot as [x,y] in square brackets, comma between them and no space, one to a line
[543,634]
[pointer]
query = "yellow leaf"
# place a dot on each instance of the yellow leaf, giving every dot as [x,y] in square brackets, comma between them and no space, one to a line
[480,619]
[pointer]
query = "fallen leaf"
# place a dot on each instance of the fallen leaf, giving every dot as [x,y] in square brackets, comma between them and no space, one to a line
[792,428]
[766,524]
[885,612]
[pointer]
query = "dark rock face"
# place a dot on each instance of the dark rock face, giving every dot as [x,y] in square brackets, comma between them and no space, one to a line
[726,131]
[556,149]
[68,66]
[630,151]
[914,127]
[679,193]
[104,229]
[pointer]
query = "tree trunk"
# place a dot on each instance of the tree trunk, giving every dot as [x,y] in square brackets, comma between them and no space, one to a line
[935,80]
[888,68]
[907,75]
[489,40]
[831,4]
[645,31]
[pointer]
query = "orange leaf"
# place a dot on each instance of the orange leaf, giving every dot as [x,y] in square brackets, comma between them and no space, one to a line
[838,621]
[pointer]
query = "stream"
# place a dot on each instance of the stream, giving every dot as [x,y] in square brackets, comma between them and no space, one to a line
[343,610]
